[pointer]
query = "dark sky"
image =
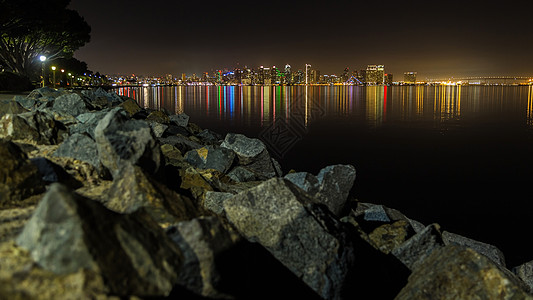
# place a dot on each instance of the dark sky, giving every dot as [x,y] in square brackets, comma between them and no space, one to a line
[434,38]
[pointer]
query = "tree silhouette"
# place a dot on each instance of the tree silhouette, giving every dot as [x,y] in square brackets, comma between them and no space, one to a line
[31,28]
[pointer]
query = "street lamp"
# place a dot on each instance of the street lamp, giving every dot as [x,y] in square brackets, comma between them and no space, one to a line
[42,58]
[54,69]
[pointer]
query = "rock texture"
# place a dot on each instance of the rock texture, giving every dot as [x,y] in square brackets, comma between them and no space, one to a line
[455,272]
[123,141]
[19,178]
[68,233]
[331,186]
[300,234]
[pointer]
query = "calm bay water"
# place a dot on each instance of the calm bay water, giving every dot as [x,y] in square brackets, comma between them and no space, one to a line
[461,156]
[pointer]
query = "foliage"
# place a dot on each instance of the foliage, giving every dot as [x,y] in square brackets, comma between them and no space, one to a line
[14,82]
[31,28]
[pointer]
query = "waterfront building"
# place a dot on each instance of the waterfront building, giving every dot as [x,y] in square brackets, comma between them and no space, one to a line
[375,74]
[388,79]
[409,77]
[346,74]
[314,76]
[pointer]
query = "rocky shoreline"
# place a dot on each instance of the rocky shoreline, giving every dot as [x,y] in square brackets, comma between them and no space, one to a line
[103,199]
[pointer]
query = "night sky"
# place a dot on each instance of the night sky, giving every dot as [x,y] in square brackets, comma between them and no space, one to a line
[448,38]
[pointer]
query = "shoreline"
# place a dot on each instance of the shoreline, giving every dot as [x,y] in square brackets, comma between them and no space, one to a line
[195,192]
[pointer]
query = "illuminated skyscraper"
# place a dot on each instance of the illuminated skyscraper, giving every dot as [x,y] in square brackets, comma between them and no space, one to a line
[375,74]
[388,79]
[409,77]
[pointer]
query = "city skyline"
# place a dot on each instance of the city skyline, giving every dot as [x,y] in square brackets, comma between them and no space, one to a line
[436,40]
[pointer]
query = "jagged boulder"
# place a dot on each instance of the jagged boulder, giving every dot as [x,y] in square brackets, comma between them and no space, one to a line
[122,141]
[490,251]
[11,107]
[211,157]
[252,154]
[81,147]
[71,104]
[19,178]
[416,249]
[201,241]
[132,189]
[45,92]
[331,186]
[130,106]
[68,232]
[36,126]
[180,119]
[303,236]
[87,122]
[99,98]
[456,272]
[159,117]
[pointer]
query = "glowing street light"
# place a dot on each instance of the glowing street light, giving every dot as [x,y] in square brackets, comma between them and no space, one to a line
[54,69]
[42,58]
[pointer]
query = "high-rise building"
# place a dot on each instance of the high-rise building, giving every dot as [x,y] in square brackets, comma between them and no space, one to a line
[409,77]
[375,74]
[346,74]
[314,76]
[388,79]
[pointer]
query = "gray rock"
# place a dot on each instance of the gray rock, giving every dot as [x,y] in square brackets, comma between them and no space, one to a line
[158,128]
[68,232]
[72,104]
[81,147]
[87,122]
[46,169]
[252,154]
[247,149]
[331,186]
[381,213]
[27,103]
[19,178]
[11,107]
[211,157]
[214,201]
[489,251]
[180,119]
[37,126]
[525,273]
[132,189]
[210,137]
[413,251]
[99,95]
[44,92]
[201,241]
[123,141]
[335,184]
[303,236]
[183,143]
[455,272]
[306,181]
[242,174]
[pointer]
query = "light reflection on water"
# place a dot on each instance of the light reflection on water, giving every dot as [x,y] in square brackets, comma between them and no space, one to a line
[260,106]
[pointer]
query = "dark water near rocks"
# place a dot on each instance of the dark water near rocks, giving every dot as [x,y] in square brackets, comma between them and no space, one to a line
[460,156]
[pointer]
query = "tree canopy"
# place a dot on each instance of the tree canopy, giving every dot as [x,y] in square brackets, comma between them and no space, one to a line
[31,28]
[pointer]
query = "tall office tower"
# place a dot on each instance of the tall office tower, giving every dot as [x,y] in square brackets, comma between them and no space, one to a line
[183,77]
[346,74]
[375,74]
[409,77]
[388,79]
[314,76]
[288,74]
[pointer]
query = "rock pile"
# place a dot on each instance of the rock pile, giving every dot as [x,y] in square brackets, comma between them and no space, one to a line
[102,199]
